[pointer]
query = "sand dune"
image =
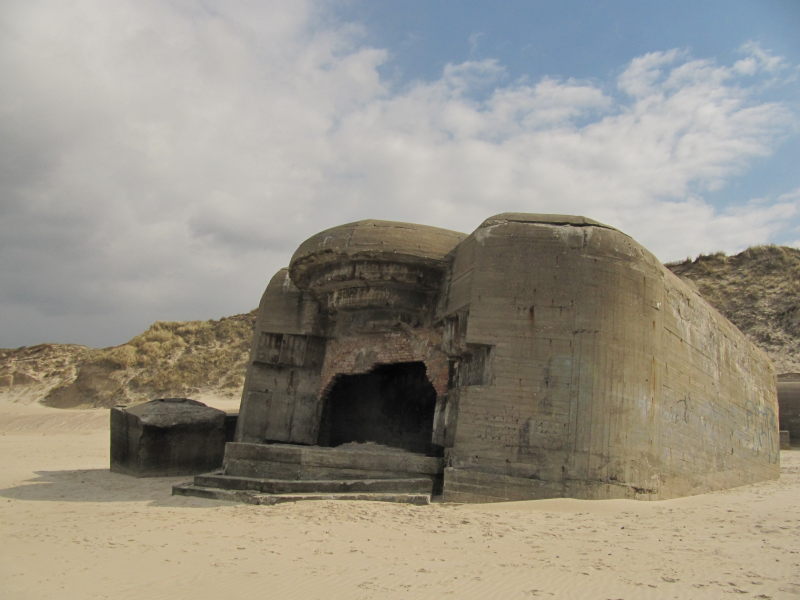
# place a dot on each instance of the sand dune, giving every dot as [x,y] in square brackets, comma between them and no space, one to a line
[71,529]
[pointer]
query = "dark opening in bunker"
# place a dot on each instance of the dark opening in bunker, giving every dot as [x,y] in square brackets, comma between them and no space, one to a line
[392,405]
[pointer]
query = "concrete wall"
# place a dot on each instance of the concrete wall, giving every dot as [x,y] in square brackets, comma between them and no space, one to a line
[280,402]
[607,377]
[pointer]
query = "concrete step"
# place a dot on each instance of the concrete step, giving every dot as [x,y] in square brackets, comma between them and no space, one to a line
[256,497]
[265,469]
[360,461]
[421,485]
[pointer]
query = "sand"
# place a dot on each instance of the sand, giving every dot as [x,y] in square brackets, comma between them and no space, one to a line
[72,529]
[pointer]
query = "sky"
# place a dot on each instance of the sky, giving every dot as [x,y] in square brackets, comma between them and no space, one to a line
[161,159]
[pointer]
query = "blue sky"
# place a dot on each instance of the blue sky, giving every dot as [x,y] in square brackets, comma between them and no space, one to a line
[593,41]
[569,38]
[160,160]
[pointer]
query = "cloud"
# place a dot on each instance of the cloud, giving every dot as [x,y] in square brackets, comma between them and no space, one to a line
[641,75]
[162,160]
[474,40]
[758,59]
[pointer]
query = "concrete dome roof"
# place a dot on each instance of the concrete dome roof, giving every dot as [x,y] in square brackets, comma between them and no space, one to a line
[375,240]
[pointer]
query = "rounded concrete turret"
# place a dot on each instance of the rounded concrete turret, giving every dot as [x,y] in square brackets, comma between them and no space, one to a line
[388,241]
[379,265]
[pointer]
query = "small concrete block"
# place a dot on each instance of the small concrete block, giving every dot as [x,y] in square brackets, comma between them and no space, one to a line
[786,442]
[168,436]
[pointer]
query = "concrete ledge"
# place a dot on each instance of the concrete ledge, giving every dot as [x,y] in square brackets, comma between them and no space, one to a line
[372,459]
[422,485]
[253,497]
[279,470]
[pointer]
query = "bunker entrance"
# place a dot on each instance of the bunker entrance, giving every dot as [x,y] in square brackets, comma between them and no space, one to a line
[392,405]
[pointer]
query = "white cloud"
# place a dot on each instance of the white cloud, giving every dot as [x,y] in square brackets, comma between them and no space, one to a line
[474,40]
[161,160]
[757,58]
[644,72]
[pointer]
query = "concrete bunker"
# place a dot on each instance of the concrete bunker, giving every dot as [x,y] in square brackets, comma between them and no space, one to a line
[564,358]
[167,436]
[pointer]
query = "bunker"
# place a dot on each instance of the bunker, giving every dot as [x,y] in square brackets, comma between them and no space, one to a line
[167,436]
[789,406]
[540,356]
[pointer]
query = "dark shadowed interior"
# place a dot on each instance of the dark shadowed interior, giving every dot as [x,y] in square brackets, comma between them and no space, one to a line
[391,405]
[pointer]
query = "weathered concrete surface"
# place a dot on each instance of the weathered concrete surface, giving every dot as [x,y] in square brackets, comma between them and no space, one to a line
[312,462]
[565,360]
[608,377]
[367,298]
[168,436]
[789,405]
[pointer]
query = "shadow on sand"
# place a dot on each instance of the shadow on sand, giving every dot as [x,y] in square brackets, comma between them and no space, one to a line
[101,485]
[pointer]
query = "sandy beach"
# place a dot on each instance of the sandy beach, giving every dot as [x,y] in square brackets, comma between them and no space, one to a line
[72,529]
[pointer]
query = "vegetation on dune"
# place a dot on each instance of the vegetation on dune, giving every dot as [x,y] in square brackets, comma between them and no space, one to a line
[758,290]
[169,359]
